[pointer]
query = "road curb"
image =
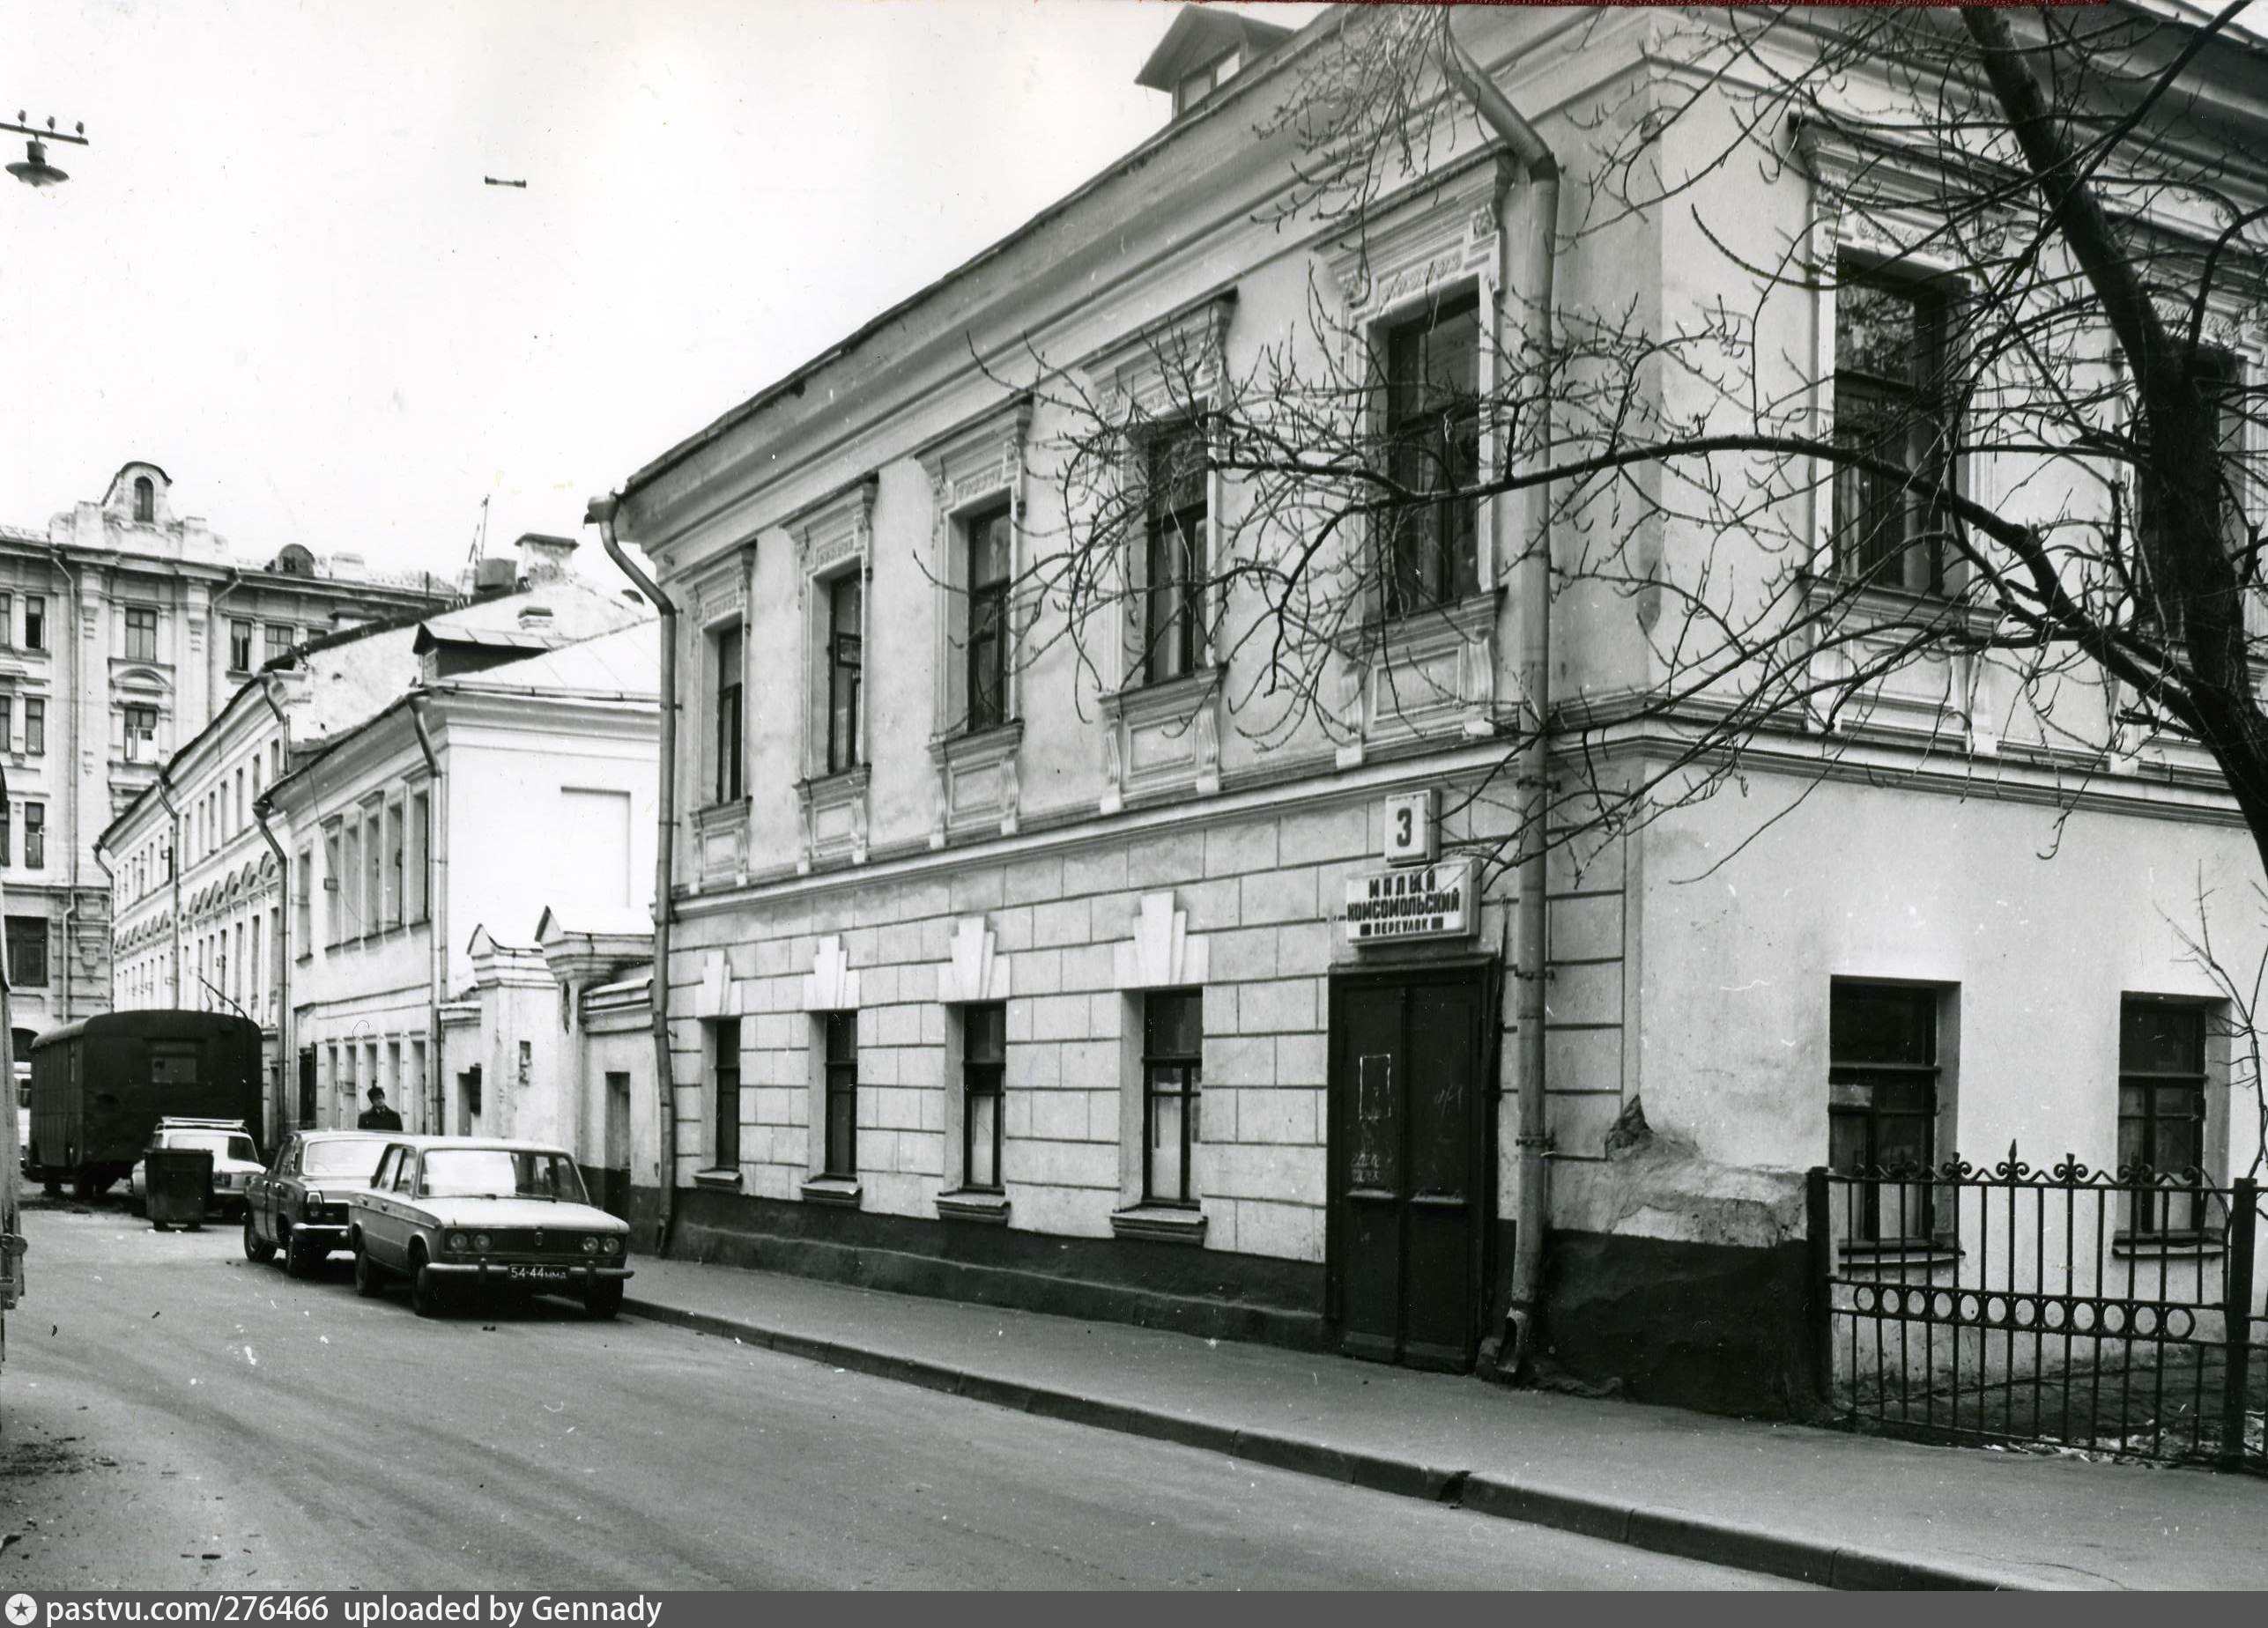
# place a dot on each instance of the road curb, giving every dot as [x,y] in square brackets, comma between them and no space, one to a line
[1742,1546]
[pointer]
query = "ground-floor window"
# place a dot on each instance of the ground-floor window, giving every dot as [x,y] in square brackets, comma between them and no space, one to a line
[1172,1072]
[983,1069]
[2161,1111]
[1882,1100]
[841,1094]
[725,1053]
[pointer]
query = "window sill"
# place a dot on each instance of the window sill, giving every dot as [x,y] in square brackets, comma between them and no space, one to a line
[841,1191]
[986,1209]
[2173,1246]
[1926,1253]
[727,1180]
[1159,1223]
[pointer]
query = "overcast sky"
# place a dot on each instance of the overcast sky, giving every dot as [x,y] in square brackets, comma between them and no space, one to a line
[277,272]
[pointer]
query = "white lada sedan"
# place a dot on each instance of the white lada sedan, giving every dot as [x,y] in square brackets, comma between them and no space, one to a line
[457,1213]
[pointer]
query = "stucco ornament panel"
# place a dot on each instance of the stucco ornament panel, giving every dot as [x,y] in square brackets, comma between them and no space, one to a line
[974,970]
[1167,368]
[1163,738]
[718,994]
[1427,241]
[719,593]
[1161,955]
[832,984]
[836,530]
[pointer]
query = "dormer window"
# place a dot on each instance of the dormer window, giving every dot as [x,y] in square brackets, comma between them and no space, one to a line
[1195,87]
[145,499]
[1203,51]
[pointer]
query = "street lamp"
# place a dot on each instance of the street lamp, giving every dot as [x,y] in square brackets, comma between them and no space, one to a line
[32,169]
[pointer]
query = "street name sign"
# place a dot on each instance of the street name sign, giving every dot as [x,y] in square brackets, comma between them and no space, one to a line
[1414,901]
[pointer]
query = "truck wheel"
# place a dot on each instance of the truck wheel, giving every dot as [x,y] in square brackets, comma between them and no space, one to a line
[257,1249]
[161,1226]
[369,1280]
[428,1297]
[85,1187]
[601,1302]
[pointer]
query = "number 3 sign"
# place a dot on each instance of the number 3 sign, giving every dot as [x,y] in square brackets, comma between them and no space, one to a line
[1410,837]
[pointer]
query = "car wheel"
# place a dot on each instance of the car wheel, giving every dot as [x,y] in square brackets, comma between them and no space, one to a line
[602,1301]
[427,1298]
[161,1226]
[257,1249]
[137,1204]
[369,1278]
[301,1257]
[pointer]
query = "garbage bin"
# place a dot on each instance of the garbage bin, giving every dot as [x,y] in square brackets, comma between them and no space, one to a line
[177,1186]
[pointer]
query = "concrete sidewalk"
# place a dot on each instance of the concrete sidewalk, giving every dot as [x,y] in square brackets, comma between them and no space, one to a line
[1849,1511]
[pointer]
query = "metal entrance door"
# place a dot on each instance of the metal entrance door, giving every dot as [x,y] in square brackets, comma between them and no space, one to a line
[1410,1194]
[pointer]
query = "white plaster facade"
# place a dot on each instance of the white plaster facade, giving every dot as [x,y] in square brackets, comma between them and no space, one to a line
[1113,838]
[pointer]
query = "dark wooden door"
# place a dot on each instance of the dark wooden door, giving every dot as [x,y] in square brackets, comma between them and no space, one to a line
[1410,1194]
[307,1086]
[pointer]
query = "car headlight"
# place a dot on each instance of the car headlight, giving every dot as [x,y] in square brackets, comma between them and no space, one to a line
[480,1240]
[310,1206]
[590,1246]
[612,1245]
[457,1243]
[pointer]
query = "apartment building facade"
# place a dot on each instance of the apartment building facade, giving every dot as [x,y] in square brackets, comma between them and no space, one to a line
[1014,960]
[125,629]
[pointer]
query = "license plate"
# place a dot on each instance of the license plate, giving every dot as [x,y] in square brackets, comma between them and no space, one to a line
[536,1274]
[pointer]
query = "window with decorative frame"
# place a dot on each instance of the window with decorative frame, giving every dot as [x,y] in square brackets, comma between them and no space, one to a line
[728,725]
[1172,1074]
[1176,551]
[1894,402]
[841,1061]
[844,657]
[140,731]
[141,634]
[988,540]
[1430,389]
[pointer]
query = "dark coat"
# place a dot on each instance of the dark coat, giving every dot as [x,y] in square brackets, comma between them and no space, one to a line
[378,1119]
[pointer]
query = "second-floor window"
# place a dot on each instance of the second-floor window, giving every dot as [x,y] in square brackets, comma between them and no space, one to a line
[35,726]
[35,835]
[1890,403]
[1432,454]
[846,609]
[1174,555]
[35,621]
[27,951]
[240,647]
[989,537]
[724,649]
[141,634]
[141,733]
[7,619]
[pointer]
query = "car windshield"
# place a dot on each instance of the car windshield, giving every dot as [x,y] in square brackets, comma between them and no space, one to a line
[219,1143]
[499,1173]
[354,1159]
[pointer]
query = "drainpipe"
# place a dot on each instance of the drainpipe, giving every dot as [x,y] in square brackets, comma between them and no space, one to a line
[71,806]
[436,918]
[601,513]
[173,879]
[263,806]
[1532,592]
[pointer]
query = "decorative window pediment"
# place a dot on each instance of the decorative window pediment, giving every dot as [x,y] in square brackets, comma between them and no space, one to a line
[976,479]
[974,973]
[1161,955]
[718,994]
[1428,239]
[836,530]
[832,984]
[1167,368]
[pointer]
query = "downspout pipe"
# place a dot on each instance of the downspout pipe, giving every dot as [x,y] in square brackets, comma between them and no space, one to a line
[77,703]
[1532,594]
[602,514]
[436,918]
[263,806]
[173,879]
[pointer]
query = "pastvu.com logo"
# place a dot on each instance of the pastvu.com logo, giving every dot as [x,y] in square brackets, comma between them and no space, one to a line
[21,1609]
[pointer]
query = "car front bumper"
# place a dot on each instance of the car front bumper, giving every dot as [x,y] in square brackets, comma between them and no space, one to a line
[501,1272]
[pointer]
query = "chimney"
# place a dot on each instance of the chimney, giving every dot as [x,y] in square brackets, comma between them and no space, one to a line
[545,559]
[492,577]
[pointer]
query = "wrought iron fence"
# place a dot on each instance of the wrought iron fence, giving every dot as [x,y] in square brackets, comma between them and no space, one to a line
[2106,1310]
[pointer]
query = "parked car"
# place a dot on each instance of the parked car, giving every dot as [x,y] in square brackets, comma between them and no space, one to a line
[235,1159]
[454,1212]
[297,1204]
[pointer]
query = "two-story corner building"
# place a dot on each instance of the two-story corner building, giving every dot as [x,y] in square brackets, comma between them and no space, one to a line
[1010,965]
[198,908]
[124,630]
[515,775]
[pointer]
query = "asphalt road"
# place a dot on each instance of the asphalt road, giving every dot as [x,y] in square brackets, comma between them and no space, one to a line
[172,1415]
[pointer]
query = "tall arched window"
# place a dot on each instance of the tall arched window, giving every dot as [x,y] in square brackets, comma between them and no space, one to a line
[145,499]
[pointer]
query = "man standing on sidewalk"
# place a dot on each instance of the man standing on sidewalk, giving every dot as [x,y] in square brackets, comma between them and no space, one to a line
[378,1116]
